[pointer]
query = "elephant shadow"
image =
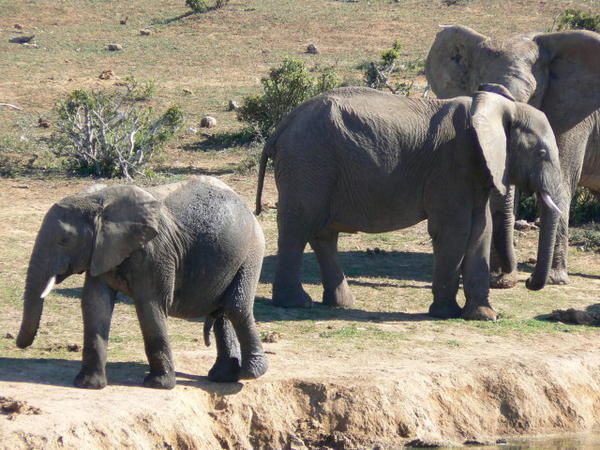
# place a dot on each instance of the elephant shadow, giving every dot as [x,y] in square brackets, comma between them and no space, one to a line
[394,265]
[61,372]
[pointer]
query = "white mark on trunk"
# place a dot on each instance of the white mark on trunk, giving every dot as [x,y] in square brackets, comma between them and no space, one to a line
[549,203]
[49,287]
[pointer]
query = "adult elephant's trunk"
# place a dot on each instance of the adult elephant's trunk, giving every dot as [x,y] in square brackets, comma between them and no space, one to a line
[38,285]
[549,222]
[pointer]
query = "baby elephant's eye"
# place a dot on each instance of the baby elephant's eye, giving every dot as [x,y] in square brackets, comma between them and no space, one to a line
[542,152]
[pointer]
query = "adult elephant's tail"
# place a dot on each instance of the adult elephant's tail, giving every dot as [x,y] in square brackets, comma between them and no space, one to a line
[268,151]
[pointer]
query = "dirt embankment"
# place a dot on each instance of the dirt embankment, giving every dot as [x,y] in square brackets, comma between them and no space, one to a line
[485,391]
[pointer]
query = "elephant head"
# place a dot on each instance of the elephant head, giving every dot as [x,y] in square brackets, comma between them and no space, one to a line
[92,232]
[518,147]
[555,72]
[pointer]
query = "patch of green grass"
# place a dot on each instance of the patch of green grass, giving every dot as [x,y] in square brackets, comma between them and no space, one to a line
[368,332]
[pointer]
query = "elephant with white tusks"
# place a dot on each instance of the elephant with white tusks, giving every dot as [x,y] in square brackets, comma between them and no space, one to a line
[357,159]
[188,250]
[558,73]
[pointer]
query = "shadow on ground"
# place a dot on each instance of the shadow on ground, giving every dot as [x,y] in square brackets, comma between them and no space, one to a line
[61,372]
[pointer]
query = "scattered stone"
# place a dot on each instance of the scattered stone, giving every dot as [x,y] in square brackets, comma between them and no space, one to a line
[420,443]
[575,316]
[9,336]
[145,32]
[531,261]
[523,225]
[114,47]
[18,26]
[208,122]
[270,337]
[192,130]
[21,39]
[106,74]
[233,105]
[73,347]
[501,441]
[12,407]
[312,49]
[124,21]
[296,443]
[43,123]
[188,91]
[375,251]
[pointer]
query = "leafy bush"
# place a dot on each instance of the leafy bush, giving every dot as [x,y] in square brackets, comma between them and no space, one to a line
[378,75]
[199,6]
[585,207]
[575,19]
[109,134]
[587,238]
[285,88]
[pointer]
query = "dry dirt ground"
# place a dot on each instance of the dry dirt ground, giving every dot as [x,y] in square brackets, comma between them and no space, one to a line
[380,374]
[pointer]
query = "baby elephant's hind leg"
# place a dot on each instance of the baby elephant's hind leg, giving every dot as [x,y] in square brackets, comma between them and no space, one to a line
[227,366]
[239,305]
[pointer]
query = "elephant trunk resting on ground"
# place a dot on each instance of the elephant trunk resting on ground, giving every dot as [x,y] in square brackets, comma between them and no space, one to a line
[187,250]
[356,159]
[558,73]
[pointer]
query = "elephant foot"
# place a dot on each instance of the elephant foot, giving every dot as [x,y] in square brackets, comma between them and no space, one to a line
[479,312]
[558,276]
[225,370]
[340,297]
[503,280]
[291,298]
[445,310]
[160,380]
[90,380]
[254,367]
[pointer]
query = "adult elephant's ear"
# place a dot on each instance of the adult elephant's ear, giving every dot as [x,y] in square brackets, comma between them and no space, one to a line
[573,63]
[491,116]
[451,61]
[129,218]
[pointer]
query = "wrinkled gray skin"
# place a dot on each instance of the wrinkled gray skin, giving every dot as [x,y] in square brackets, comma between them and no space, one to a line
[558,73]
[376,162]
[186,250]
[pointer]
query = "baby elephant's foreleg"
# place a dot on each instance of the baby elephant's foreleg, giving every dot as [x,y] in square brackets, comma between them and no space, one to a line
[228,364]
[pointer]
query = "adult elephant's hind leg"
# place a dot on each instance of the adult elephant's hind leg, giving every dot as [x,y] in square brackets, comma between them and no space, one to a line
[238,302]
[475,268]
[287,288]
[336,291]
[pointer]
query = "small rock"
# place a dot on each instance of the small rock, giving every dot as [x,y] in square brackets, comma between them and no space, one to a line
[114,47]
[21,39]
[270,337]
[501,442]
[9,336]
[208,122]
[312,49]
[106,74]
[296,443]
[522,225]
[145,32]
[233,105]
[43,123]
[124,21]
[192,130]
[73,347]
[188,91]
[18,26]
[531,261]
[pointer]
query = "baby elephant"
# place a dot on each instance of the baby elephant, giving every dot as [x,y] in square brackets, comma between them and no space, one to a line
[188,249]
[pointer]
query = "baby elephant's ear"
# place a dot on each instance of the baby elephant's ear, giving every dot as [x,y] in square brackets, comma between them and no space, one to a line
[129,218]
[491,116]
[496,89]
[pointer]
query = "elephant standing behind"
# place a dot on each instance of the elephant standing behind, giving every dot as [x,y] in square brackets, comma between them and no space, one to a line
[558,73]
[362,160]
[189,249]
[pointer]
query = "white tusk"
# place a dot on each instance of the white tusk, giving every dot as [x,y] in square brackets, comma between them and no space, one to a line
[549,203]
[49,287]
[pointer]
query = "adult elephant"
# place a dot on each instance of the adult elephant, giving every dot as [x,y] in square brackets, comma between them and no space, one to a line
[187,249]
[558,73]
[357,159]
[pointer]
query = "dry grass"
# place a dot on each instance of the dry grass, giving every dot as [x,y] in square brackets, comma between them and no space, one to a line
[219,56]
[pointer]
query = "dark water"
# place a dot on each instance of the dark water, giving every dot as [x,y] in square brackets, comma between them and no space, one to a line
[563,442]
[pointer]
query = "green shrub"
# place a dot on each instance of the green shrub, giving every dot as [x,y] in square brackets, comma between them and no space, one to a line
[378,75]
[575,19]
[285,88]
[587,238]
[200,6]
[109,134]
[585,207]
